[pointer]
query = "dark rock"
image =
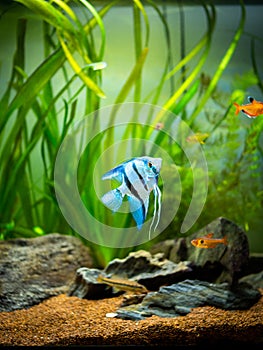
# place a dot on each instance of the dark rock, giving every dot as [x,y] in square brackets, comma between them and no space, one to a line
[163,247]
[254,264]
[135,263]
[149,271]
[34,269]
[253,271]
[86,286]
[172,249]
[220,264]
[179,251]
[254,279]
[180,298]
[152,271]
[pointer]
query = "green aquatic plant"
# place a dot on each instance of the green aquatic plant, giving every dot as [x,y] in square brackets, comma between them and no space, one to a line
[234,153]
[37,116]
[221,67]
[22,133]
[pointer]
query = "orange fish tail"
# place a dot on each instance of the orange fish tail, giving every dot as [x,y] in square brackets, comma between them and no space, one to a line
[237,108]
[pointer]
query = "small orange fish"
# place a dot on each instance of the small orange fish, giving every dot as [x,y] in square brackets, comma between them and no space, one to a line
[208,242]
[198,137]
[252,109]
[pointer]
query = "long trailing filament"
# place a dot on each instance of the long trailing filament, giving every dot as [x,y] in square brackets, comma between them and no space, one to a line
[157,193]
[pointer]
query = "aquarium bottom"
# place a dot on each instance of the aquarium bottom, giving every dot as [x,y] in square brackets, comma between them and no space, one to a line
[70,321]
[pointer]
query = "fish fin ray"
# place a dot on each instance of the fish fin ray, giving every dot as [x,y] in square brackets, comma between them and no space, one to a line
[115,173]
[112,199]
[209,235]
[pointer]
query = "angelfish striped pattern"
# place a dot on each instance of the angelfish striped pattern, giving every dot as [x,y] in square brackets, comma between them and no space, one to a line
[138,177]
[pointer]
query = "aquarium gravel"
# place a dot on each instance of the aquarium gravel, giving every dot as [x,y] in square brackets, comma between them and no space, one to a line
[64,320]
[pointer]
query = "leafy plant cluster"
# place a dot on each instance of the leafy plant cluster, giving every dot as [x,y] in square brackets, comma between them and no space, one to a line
[35,118]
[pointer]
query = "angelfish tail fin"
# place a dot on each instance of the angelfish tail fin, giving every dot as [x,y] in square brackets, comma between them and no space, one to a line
[112,199]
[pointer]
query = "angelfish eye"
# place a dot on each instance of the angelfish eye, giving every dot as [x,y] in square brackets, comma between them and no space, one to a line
[150,165]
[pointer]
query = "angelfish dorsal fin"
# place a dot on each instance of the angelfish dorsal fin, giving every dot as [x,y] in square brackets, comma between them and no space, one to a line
[115,173]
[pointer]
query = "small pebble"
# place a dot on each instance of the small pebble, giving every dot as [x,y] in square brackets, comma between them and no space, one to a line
[111,314]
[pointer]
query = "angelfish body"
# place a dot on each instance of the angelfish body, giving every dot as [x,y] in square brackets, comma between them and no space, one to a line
[252,110]
[138,178]
[208,241]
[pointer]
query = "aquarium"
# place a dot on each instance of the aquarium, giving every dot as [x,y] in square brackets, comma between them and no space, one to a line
[87,86]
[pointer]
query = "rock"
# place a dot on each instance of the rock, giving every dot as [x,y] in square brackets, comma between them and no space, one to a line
[163,247]
[35,269]
[174,288]
[253,271]
[135,263]
[220,264]
[85,285]
[180,298]
[151,271]
[172,249]
[254,279]
[254,264]
[179,251]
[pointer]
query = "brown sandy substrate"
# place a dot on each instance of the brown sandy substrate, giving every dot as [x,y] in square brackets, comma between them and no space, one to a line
[64,320]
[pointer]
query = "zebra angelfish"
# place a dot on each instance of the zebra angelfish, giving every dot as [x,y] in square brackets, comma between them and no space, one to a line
[138,177]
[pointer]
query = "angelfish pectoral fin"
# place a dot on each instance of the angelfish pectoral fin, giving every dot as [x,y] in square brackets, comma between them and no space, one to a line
[112,199]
